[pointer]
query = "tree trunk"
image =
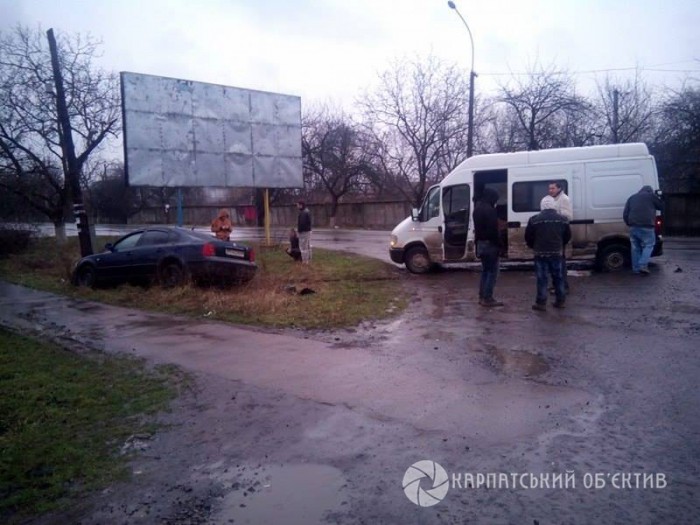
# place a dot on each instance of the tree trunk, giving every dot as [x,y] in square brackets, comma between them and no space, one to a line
[60,231]
[334,211]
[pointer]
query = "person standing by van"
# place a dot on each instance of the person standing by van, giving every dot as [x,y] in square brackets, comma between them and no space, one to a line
[488,245]
[563,207]
[547,233]
[640,215]
[304,232]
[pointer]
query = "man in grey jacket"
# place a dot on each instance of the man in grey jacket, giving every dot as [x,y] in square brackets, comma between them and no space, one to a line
[640,216]
[547,233]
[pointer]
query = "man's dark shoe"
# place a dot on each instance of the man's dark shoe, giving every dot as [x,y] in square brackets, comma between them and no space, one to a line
[644,271]
[490,302]
[559,304]
[539,307]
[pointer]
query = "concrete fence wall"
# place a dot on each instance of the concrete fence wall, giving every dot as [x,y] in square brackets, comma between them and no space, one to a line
[369,215]
[682,214]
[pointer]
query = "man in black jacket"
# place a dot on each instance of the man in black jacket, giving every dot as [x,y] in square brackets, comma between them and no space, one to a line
[488,245]
[547,233]
[304,231]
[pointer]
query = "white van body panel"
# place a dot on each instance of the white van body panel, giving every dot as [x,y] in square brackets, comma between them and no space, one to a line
[598,180]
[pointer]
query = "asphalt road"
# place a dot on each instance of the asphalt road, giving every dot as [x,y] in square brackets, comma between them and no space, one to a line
[322,427]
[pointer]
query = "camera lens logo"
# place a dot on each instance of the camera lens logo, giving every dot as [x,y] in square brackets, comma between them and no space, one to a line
[412,481]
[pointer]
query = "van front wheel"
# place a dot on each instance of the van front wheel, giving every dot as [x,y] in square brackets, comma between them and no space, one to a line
[613,258]
[417,260]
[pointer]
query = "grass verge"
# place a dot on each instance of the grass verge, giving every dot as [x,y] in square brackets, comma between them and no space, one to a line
[63,419]
[347,288]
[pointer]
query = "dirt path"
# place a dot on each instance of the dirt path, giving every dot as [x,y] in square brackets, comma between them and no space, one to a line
[320,428]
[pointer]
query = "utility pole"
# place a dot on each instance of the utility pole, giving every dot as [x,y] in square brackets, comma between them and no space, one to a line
[68,148]
[472,78]
[470,125]
[615,115]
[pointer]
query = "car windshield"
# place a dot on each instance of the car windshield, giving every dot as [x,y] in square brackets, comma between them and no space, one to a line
[154,237]
[197,236]
[200,236]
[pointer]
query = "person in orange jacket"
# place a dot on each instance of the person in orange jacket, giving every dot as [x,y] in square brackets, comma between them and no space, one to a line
[222,226]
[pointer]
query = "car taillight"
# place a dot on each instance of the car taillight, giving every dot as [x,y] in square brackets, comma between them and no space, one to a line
[658,224]
[251,255]
[208,250]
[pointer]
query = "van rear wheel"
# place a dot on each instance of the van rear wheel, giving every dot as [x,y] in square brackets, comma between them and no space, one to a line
[613,258]
[417,260]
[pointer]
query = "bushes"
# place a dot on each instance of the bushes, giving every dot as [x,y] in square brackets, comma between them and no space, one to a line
[14,238]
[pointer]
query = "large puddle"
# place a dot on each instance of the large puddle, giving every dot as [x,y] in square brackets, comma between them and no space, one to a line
[517,363]
[291,494]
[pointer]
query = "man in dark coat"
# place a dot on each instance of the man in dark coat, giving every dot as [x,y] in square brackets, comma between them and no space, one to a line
[488,245]
[304,232]
[640,216]
[547,233]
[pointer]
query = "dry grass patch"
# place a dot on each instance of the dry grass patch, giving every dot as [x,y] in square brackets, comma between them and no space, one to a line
[346,289]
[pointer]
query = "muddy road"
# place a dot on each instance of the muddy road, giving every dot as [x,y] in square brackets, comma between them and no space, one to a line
[297,427]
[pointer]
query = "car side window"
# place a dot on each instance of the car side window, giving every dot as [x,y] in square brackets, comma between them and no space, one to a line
[127,243]
[153,238]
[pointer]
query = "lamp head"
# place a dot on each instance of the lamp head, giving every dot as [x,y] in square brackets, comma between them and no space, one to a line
[452,4]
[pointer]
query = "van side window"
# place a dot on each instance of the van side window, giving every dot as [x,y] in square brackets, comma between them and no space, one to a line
[527,195]
[431,205]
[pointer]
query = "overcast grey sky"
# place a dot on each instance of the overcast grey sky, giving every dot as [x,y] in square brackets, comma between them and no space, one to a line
[330,50]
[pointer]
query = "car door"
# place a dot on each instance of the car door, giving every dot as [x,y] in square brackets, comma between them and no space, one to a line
[115,264]
[456,212]
[150,249]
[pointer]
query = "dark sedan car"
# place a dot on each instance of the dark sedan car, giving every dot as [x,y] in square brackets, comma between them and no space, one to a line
[170,256]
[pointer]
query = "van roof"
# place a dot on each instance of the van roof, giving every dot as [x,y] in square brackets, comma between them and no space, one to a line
[545,156]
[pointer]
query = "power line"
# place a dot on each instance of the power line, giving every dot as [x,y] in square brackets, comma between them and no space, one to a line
[641,69]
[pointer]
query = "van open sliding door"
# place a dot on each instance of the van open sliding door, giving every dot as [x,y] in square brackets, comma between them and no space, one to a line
[526,188]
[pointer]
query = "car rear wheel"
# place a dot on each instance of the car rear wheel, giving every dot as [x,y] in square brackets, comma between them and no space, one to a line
[613,257]
[417,260]
[86,276]
[172,274]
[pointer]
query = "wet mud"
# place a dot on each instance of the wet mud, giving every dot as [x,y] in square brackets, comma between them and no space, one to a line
[320,427]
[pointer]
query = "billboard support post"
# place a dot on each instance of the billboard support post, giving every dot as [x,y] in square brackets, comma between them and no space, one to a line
[180,213]
[267,217]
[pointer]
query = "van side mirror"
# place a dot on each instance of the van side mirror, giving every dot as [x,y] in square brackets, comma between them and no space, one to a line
[414,214]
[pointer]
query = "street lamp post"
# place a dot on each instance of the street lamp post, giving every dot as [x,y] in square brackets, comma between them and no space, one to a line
[472,77]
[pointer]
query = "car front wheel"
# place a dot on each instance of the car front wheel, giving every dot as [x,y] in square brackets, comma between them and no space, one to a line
[86,276]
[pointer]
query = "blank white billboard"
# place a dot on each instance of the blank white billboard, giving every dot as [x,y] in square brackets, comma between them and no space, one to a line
[182,133]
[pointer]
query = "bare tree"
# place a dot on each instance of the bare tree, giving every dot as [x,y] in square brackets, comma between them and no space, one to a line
[628,109]
[543,105]
[31,157]
[333,155]
[418,115]
[677,149]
